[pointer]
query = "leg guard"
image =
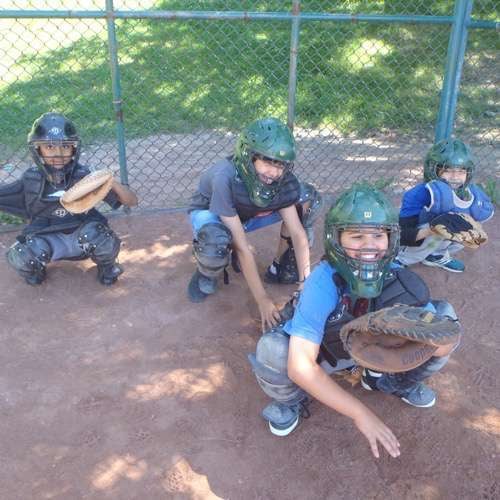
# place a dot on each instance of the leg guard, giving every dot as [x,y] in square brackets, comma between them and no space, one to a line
[285,271]
[29,258]
[269,364]
[212,249]
[312,203]
[102,245]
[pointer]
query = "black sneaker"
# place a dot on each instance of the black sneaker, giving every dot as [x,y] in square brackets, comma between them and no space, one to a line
[369,379]
[108,275]
[272,275]
[194,292]
[37,278]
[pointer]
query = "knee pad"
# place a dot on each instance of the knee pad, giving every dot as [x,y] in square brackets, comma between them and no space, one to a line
[212,248]
[269,364]
[99,242]
[30,256]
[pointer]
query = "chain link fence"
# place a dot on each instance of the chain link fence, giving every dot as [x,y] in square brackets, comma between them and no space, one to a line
[368,89]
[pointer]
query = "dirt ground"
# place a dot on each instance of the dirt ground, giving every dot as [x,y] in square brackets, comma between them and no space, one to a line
[132,392]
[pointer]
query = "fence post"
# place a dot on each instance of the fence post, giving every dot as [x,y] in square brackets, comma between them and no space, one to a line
[117,91]
[294,53]
[453,72]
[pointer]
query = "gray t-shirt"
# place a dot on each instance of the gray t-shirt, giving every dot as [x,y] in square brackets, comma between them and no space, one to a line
[215,191]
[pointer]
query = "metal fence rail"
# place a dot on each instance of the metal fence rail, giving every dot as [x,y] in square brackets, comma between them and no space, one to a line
[158,89]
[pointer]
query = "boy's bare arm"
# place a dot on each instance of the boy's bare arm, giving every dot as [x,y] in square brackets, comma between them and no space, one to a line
[125,195]
[268,311]
[305,372]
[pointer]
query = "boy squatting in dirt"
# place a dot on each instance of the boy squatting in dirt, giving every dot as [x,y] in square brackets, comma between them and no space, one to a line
[52,233]
[249,190]
[357,275]
[447,190]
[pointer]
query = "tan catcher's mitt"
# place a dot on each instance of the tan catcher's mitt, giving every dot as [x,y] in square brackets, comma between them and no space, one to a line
[397,338]
[87,192]
[459,227]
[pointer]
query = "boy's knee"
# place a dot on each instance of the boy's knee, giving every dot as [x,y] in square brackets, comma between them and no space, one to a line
[29,258]
[99,241]
[212,248]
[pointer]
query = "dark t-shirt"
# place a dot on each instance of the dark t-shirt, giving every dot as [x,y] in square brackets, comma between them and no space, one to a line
[215,191]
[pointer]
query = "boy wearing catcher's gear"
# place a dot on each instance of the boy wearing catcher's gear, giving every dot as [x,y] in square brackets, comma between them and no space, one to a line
[52,233]
[247,191]
[294,360]
[446,193]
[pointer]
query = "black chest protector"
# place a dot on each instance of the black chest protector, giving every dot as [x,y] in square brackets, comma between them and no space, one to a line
[288,194]
[400,287]
[45,212]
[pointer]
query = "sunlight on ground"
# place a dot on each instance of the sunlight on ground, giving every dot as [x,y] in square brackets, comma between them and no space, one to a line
[118,467]
[488,422]
[449,390]
[181,478]
[195,383]
[157,250]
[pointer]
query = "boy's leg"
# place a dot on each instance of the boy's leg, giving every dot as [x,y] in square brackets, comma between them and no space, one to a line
[434,252]
[284,267]
[212,251]
[29,256]
[99,242]
[269,364]
[408,385]
[32,253]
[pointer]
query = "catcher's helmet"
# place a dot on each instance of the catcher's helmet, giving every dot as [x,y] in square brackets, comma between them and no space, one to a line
[271,139]
[360,208]
[54,129]
[448,154]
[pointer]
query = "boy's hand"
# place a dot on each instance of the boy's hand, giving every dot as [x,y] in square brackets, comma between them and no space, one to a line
[87,192]
[376,431]
[269,313]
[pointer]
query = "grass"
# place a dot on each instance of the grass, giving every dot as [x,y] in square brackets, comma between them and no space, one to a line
[492,189]
[7,219]
[184,76]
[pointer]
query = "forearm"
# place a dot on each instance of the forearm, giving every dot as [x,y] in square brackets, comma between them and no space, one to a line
[411,234]
[302,254]
[315,381]
[124,194]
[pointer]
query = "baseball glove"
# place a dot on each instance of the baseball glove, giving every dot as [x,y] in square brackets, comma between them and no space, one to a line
[87,192]
[397,338]
[459,227]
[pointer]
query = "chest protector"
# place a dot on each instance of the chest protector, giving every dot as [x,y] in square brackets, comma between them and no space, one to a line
[288,194]
[45,213]
[444,199]
[400,287]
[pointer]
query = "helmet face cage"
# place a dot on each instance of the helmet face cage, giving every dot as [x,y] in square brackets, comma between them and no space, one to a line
[450,154]
[54,129]
[268,140]
[365,276]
